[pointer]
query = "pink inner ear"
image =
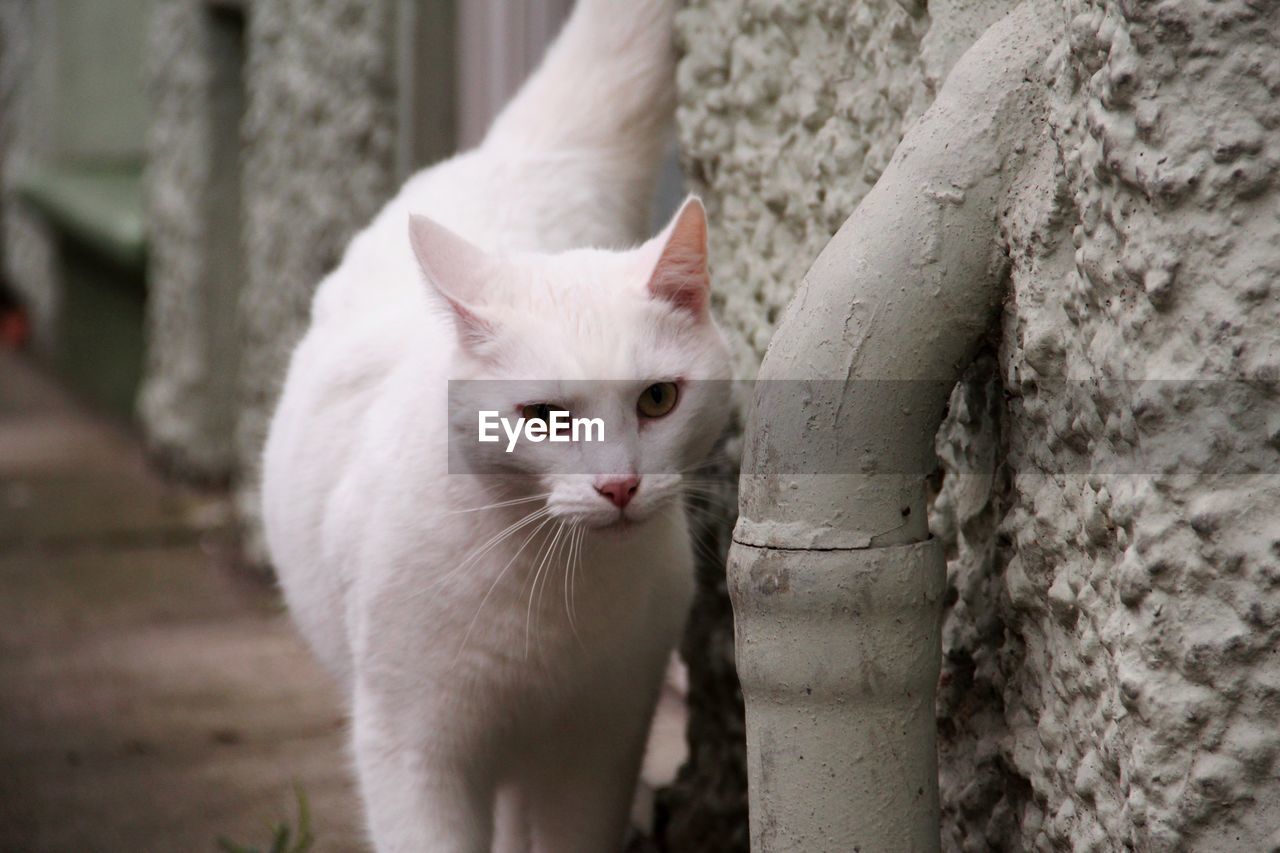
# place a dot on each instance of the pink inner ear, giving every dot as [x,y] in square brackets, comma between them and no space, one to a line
[456,270]
[682,283]
[680,275]
[452,265]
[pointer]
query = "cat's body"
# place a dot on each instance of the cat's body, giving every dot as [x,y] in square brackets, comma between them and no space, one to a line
[502,678]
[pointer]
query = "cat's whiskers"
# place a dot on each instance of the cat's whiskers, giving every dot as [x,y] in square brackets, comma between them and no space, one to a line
[714,467]
[708,512]
[573,579]
[707,505]
[573,554]
[709,499]
[560,558]
[711,554]
[499,504]
[485,548]
[553,557]
[539,558]
[705,522]
[462,646]
[544,563]
[498,537]
[710,487]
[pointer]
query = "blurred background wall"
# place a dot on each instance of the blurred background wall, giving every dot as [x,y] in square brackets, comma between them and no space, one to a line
[208,160]
[25,249]
[72,141]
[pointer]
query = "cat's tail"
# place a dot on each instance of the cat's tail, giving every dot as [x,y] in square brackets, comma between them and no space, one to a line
[605,87]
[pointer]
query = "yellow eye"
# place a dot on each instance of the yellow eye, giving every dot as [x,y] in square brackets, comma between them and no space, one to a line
[658,399]
[539,412]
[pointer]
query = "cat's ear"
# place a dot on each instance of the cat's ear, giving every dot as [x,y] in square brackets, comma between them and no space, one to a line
[457,271]
[679,276]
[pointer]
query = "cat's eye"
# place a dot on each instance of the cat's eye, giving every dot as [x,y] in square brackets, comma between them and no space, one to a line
[658,399]
[539,412]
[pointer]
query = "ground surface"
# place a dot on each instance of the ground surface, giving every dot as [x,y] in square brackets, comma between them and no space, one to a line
[151,697]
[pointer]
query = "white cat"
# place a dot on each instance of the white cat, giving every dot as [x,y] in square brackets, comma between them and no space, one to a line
[502,621]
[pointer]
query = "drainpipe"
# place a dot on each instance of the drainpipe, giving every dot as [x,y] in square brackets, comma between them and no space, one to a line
[836,586]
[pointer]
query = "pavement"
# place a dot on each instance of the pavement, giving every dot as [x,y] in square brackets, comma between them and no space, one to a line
[153,697]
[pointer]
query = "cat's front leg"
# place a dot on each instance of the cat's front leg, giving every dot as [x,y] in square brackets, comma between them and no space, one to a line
[419,794]
[581,783]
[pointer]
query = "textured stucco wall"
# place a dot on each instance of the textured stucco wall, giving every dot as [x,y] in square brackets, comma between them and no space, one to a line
[187,402]
[187,398]
[1110,678]
[1137,667]
[788,114]
[272,142]
[14,34]
[319,162]
[28,247]
[91,60]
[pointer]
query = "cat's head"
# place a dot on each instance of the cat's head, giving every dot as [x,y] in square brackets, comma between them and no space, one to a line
[622,341]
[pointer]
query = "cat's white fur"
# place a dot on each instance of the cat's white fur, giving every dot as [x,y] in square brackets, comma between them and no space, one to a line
[501,686]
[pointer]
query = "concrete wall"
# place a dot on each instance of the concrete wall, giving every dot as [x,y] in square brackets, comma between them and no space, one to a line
[273,141]
[1110,678]
[319,162]
[195,198]
[96,106]
[26,245]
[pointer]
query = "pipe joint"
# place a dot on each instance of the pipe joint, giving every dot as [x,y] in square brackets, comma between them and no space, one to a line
[836,587]
[838,656]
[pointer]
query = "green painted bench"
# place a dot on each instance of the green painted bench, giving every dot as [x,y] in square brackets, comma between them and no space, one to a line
[98,217]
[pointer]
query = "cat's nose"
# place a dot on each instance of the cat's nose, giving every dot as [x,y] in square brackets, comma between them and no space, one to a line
[619,490]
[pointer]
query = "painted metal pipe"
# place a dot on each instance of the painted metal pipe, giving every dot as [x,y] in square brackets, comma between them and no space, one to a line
[837,587]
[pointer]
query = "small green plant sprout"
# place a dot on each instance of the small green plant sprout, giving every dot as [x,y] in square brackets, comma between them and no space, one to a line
[283,838]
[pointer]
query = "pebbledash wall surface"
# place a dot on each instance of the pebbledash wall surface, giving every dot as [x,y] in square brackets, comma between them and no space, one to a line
[1111,669]
[317,161]
[27,253]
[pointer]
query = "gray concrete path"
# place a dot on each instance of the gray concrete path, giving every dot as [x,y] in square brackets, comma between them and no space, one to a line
[152,698]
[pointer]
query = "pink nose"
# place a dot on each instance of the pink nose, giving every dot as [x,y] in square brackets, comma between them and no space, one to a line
[619,490]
